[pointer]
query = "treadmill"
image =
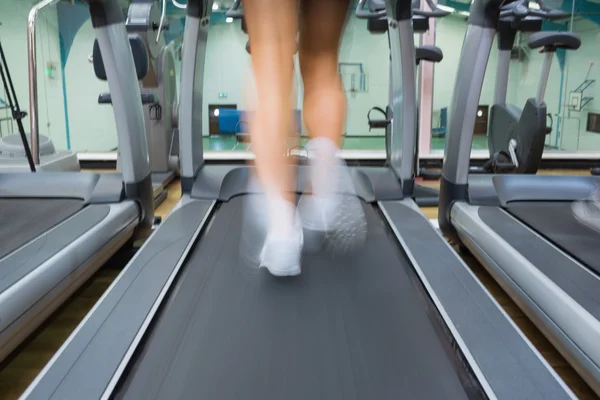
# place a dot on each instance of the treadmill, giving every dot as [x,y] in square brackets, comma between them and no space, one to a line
[521,227]
[189,317]
[155,67]
[377,24]
[58,228]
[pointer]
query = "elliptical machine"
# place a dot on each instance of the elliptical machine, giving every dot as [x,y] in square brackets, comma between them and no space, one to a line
[424,196]
[516,136]
[155,68]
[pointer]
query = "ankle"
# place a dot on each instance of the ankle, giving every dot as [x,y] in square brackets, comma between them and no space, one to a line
[324,165]
[282,215]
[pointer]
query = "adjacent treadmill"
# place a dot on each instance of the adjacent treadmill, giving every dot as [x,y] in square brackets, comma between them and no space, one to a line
[190,317]
[521,227]
[58,228]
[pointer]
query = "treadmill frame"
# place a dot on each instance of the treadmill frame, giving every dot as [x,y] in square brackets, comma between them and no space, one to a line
[41,274]
[551,304]
[505,363]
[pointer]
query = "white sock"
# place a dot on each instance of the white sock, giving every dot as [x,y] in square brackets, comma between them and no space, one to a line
[282,215]
[324,165]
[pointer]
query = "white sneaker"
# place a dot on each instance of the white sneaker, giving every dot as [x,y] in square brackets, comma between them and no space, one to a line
[587,212]
[281,253]
[333,214]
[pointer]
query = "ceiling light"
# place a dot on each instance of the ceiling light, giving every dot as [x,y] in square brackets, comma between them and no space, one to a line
[215,6]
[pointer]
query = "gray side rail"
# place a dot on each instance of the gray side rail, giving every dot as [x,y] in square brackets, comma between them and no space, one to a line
[502,358]
[103,341]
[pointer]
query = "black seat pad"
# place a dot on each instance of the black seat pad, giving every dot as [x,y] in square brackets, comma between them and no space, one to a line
[559,40]
[429,53]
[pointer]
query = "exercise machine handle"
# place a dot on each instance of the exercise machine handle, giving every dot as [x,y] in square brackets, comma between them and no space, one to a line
[363,13]
[435,12]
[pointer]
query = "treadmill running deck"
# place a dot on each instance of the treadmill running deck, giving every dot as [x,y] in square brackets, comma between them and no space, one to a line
[555,221]
[352,327]
[22,220]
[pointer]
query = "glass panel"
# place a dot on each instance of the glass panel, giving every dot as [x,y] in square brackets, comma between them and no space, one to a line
[50,96]
[91,126]
[570,91]
[364,69]
[580,88]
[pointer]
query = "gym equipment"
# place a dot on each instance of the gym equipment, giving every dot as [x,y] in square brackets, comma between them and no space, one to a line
[14,153]
[58,228]
[516,136]
[189,317]
[521,227]
[424,196]
[155,67]
[15,109]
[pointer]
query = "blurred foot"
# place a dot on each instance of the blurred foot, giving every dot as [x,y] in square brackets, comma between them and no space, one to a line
[587,212]
[333,213]
[282,248]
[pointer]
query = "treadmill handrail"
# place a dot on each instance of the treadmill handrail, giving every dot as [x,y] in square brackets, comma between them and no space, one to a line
[32,69]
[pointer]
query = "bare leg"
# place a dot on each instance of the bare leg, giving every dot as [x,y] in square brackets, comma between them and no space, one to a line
[332,208]
[321,27]
[272,27]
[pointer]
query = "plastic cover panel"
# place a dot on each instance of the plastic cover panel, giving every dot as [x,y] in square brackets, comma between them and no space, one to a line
[62,185]
[223,182]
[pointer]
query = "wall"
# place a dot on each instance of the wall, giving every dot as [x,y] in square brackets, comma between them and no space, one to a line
[13,33]
[91,125]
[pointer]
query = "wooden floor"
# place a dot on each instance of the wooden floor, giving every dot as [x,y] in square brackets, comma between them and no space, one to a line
[19,370]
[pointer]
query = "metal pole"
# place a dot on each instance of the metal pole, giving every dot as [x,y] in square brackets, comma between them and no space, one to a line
[544,75]
[32,66]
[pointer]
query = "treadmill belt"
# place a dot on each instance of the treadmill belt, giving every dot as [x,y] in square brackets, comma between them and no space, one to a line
[555,222]
[352,327]
[22,220]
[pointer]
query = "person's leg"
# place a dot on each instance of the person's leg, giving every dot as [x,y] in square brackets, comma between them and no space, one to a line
[272,28]
[321,26]
[324,110]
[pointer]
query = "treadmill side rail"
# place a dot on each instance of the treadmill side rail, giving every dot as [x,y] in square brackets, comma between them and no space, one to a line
[504,361]
[119,319]
[558,295]
[42,274]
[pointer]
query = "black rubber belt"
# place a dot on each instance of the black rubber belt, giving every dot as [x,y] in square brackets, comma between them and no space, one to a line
[351,327]
[556,222]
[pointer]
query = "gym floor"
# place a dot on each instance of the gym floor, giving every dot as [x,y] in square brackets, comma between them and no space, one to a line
[17,372]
